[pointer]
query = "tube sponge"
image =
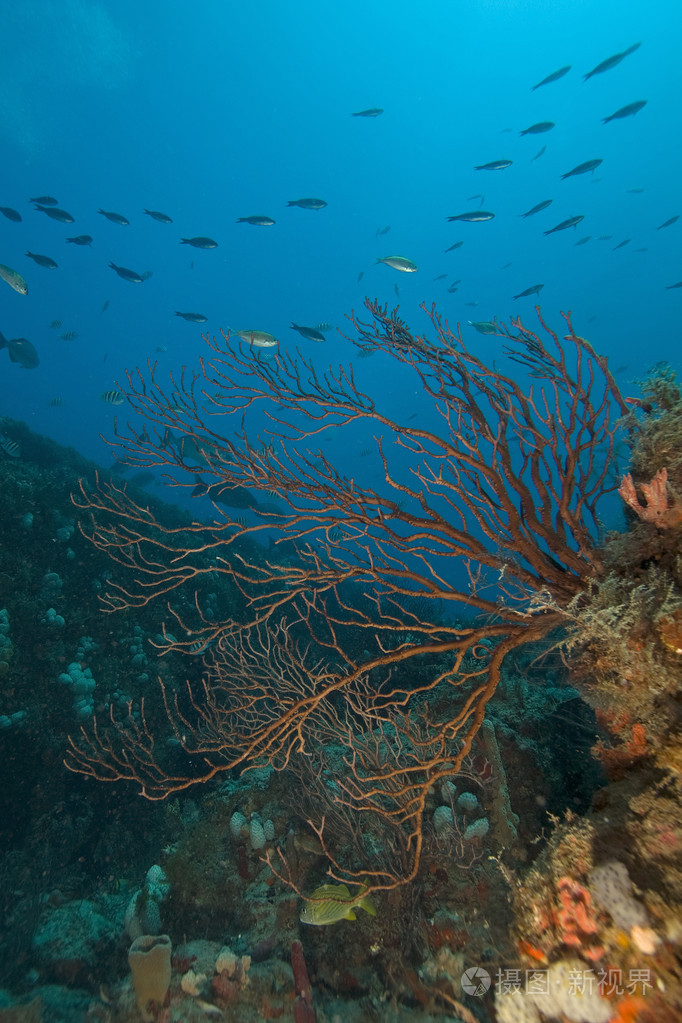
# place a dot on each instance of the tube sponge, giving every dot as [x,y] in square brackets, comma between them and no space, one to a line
[149,958]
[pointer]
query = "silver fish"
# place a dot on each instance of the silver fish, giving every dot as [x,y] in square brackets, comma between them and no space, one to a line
[405,266]
[534,290]
[472,217]
[571,222]
[495,165]
[582,168]
[536,209]
[257,338]
[14,279]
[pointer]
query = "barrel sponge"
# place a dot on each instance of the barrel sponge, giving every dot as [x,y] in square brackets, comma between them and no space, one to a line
[149,958]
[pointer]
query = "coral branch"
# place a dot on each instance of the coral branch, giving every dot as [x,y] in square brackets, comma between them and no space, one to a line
[380,619]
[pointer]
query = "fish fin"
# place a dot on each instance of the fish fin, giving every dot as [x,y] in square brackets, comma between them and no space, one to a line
[368,906]
[350,915]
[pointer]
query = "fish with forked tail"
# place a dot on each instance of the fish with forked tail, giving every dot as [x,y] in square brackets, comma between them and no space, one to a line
[534,290]
[571,222]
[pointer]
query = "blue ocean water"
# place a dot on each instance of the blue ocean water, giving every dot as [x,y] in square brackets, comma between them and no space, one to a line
[212,111]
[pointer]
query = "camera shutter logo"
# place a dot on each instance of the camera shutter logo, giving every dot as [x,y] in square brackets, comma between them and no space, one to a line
[475,981]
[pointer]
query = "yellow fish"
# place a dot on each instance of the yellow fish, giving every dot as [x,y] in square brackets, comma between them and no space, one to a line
[333,902]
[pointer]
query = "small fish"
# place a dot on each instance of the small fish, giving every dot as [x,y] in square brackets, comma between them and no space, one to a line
[585,240]
[628,111]
[105,306]
[127,275]
[536,209]
[494,165]
[56,324]
[372,112]
[61,215]
[113,397]
[361,275]
[21,351]
[539,128]
[200,242]
[635,191]
[622,244]
[333,902]
[397,290]
[457,245]
[582,168]
[308,204]
[470,198]
[471,304]
[506,266]
[440,277]
[11,214]
[535,290]
[44,200]
[308,332]
[162,218]
[482,326]
[160,348]
[667,223]
[55,402]
[69,335]
[45,261]
[611,62]
[405,266]
[641,250]
[10,447]
[115,218]
[452,289]
[14,279]
[604,237]
[81,239]
[669,287]
[382,230]
[193,317]
[256,221]
[571,222]
[554,77]
[472,217]
[257,338]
